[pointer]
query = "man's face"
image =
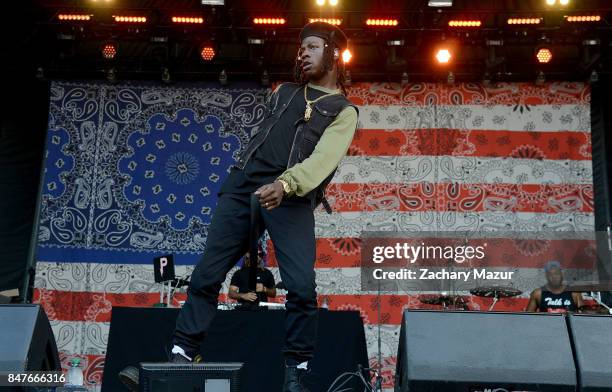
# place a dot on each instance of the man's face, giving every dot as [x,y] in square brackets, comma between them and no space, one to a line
[311,58]
[554,277]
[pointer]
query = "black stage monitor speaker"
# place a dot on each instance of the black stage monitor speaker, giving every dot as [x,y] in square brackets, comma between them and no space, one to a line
[592,337]
[26,339]
[484,351]
[172,377]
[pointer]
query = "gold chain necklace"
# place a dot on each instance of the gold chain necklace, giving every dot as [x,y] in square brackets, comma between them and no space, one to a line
[308,111]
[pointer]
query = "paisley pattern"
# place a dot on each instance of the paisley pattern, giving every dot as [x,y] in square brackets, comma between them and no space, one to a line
[132,172]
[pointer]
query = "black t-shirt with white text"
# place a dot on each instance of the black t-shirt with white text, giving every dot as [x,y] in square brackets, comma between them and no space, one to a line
[557,303]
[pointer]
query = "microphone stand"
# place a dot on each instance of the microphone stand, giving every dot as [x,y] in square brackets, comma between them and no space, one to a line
[379,379]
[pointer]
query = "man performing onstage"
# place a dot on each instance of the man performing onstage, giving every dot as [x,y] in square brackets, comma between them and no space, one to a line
[287,165]
[552,297]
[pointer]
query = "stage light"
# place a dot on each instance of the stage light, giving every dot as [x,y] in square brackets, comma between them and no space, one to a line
[486,80]
[346,56]
[111,75]
[109,51]
[564,2]
[165,76]
[130,19]
[405,79]
[443,56]
[73,17]
[269,21]
[333,3]
[544,55]
[382,22]
[320,3]
[551,2]
[583,18]
[213,2]
[223,78]
[450,79]
[591,42]
[265,79]
[187,20]
[464,23]
[395,42]
[207,53]
[333,21]
[440,3]
[524,21]
[255,41]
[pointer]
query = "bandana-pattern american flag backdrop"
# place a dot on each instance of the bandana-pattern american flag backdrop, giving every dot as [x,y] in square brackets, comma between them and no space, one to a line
[132,173]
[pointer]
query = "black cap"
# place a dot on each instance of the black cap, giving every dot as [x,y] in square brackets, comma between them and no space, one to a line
[326,31]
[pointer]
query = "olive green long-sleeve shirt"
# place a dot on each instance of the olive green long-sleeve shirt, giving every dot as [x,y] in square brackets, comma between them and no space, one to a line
[329,151]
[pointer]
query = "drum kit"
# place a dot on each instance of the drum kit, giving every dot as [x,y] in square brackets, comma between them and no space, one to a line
[457,302]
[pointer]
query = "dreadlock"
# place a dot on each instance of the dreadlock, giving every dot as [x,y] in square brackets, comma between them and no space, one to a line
[328,65]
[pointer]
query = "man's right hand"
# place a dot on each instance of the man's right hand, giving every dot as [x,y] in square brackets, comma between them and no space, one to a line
[251,297]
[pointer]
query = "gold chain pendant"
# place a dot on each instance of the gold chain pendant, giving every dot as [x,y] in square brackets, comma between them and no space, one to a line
[308,112]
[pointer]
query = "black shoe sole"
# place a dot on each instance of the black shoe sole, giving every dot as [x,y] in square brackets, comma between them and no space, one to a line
[130,378]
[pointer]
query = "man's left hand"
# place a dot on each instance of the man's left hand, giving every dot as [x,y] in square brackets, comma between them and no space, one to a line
[270,195]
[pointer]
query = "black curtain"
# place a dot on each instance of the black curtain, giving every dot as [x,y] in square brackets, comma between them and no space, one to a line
[22,136]
[601,133]
[23,124]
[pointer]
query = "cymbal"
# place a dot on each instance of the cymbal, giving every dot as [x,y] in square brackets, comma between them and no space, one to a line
[442,299]
[495,291]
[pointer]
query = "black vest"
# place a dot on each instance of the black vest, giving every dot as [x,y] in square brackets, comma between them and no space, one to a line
[307,133]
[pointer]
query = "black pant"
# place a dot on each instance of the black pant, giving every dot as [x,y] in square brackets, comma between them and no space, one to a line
[291,227]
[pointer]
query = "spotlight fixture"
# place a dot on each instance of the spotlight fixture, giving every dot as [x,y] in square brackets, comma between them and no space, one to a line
[443,56]
[109,51]
[73,17]
[395,42]
[464,23]
[382,22]
[583,18]
[187,19]
[333,21]
[333,3]
[269,21]
[544,55]
[129,19]
[255,41]
[207,52]
[346,56]
[213,2]
[524,21]
[223,78]
[440,3]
